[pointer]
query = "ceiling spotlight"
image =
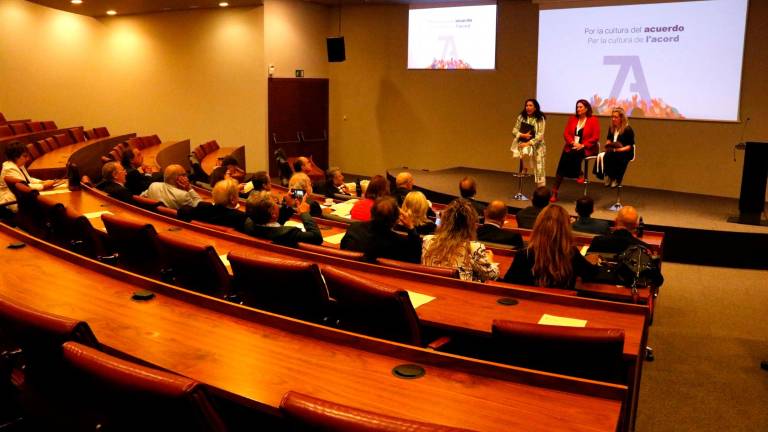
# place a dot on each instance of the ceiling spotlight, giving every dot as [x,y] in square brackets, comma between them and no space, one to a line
[223,4]
[76,1]
[111,12]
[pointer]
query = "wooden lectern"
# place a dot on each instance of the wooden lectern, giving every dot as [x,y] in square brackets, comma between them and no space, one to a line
[753,183]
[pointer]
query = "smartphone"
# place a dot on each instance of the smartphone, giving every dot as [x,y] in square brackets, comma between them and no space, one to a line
[298,194]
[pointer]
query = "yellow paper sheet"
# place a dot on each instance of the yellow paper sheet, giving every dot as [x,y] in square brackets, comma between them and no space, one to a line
[224,259]
[94,215]
[562,321]
[418,299]
[293,223]
[584,250]
[334,239]
[55,191]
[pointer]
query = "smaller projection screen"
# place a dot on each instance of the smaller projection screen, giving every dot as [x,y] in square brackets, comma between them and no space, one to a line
[677,60]
[452,37]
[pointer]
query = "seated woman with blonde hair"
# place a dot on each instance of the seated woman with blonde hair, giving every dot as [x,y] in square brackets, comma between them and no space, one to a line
[415,206]
[551,259]
[455,244]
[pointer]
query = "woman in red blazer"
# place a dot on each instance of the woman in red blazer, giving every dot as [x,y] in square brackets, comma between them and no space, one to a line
[581,135]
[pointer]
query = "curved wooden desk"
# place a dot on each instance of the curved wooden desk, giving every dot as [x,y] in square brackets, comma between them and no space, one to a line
[85,154]
[210,161]
[167,153]
[254,357]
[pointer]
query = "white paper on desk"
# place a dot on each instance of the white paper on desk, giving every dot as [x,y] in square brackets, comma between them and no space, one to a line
[297,224]
[342,209]
[55,191]
[562,321]
[94,215]
[584,250]
[334,239]
[418,299]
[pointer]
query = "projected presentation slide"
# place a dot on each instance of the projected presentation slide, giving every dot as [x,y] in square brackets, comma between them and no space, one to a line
[460,37]
[665,60]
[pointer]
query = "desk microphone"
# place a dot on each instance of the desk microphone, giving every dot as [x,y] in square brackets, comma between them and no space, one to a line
[741,145]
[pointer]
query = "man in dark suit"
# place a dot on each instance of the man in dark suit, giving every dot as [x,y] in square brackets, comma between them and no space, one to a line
[333,184]
[404,186]
[585,223]
[468,190]
[263,211]
[138,177]
[375,238]
[527,216]
[492,231]
[224,210]
[622,236]
[113,182]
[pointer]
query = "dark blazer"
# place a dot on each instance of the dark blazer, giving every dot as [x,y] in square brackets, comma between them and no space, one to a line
[527,217]
[521,271]
[219,215]
[426,229]
[286,211]
[591,225]
[137,182]
[287,235]
[115,190]
[376,241]
[491,233]
[479,208]
[616,242]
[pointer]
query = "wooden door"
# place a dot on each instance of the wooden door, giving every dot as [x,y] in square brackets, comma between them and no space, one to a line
[298,119]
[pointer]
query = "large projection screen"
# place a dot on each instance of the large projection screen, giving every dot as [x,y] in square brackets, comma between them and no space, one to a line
[677,60]
[452,37]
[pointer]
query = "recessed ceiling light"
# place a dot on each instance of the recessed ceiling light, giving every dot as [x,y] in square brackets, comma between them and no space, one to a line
[76,1]
[223,4]
[111,12]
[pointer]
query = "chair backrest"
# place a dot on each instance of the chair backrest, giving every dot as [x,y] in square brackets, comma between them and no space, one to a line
[33,151]
[5,130]
[90,134]
[136,142]
[118,395]
[51,143]
[36,126]
[40,335]
[280,285]
[438,271]
[146,203]
[307,413]
[167,211]
[44,146]
[19,128]
[346,254]
[77,134]
[152,140]
[586,352]
[30,216]
[137,245]
[50,125]
[63,139]
[72,230]
[194,266]
[101,132]
[371,308]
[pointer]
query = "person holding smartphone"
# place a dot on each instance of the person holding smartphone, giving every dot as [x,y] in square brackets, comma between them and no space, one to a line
[299,188]
[263,212]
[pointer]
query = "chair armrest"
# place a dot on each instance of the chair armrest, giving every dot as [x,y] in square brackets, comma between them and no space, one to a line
[439,343]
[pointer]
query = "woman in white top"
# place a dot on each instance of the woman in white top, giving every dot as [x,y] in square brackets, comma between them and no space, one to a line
[455,246]
[529,145]
[17,157]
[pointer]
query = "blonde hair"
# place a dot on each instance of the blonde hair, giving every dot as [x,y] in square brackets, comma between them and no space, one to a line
[300,181]
[415,205]
[553,247]
[458,228]
[623,120]
[224,191]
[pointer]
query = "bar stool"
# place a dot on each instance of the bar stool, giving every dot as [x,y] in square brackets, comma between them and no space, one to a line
[618,205]
[586,171]
[520,174]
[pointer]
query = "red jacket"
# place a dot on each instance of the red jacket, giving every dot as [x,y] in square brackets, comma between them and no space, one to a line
[590,135]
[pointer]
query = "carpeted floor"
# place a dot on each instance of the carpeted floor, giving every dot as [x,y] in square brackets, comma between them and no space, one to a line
[709,335]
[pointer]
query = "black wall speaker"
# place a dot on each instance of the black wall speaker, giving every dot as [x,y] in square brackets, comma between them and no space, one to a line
[336,51]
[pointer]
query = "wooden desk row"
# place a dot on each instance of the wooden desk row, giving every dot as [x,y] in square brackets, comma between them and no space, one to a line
[254,357]
[459,306]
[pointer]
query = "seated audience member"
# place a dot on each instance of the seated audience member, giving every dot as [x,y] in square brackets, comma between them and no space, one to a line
[263,211]
[377,188]
[468,190]
[376,239]
[175,191]
[527,216]
[138,176]
[404,186]
[113,182]
[224,210]
[551,259]
[298,182]
[261,181]
[334,183]
[415,206]
[454,245]
[585,223]
[623,235]
[228,168]
[17,157]
[302,164]
[492,230]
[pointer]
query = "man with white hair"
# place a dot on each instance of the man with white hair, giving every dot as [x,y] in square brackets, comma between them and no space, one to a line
[224,210]
[175,191]
[623,235]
